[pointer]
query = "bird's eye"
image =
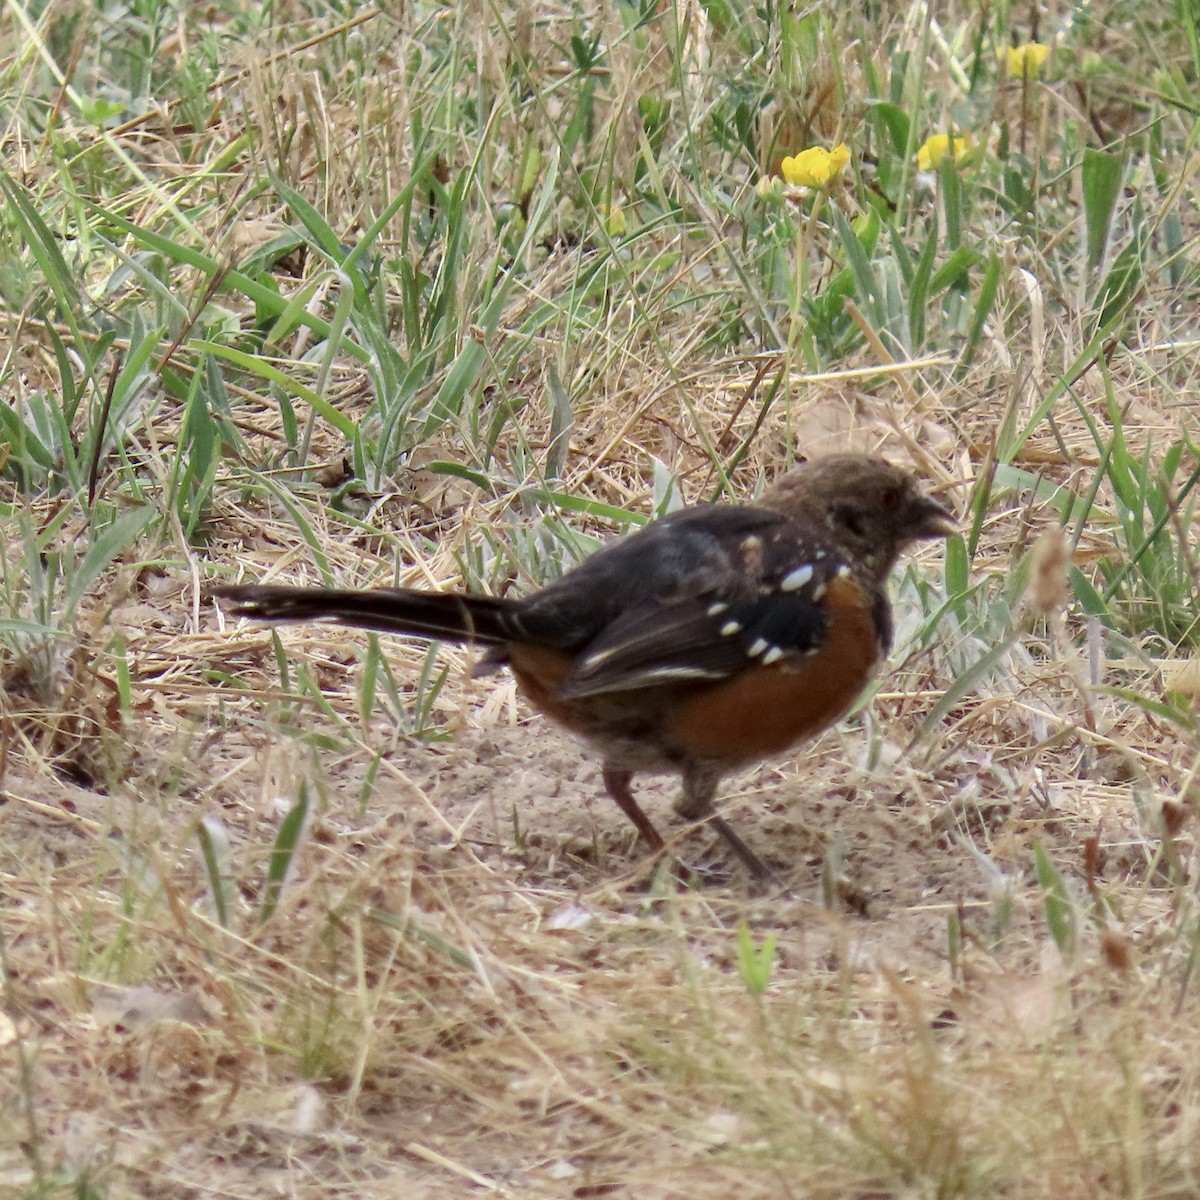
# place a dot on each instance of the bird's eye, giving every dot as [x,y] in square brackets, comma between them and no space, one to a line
[890,500]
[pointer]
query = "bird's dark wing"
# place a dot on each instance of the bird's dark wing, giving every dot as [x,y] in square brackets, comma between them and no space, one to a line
[701,595]
[696,641]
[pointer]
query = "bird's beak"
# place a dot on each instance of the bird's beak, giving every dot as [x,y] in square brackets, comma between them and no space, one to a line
[932,519]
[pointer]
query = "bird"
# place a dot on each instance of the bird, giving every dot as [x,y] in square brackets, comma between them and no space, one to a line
[710,639]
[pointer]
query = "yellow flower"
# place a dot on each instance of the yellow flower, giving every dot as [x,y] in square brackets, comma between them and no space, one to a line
[935,148]
[615,224]
[816,166]
[1025,61]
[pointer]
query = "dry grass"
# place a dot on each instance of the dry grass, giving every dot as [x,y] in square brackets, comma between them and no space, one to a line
[473,982]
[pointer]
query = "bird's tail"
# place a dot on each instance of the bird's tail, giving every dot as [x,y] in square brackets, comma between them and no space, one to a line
[442,615]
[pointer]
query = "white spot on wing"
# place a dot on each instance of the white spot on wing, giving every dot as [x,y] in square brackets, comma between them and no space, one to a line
[793,581]
[715,610]
[760,644]
[730,628]
[772,655]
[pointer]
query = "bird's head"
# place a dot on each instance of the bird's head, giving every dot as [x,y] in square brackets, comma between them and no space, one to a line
[867,505]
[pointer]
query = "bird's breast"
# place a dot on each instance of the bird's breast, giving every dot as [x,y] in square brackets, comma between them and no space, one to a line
[764,711]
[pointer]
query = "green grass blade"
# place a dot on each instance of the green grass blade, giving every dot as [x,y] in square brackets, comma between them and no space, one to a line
[283,853]
[1058,907]
[1101,185]
[214,853]
[105,548]
[268,372]
[267,299]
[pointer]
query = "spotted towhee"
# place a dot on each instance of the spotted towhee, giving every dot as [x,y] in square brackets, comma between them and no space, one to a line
[710,639]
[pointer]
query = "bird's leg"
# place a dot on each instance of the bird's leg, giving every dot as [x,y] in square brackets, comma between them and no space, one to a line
[696,804]
[616,783]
